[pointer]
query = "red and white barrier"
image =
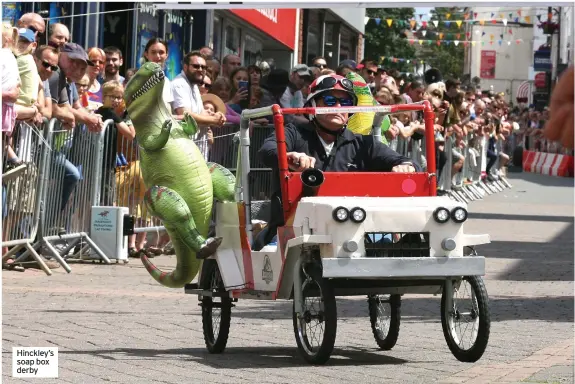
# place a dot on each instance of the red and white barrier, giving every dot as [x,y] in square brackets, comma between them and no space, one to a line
[552,164]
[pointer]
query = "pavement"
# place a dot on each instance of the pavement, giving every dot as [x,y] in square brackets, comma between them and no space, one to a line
[113,323]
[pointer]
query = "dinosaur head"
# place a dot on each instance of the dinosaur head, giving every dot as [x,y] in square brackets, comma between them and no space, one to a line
[144,90]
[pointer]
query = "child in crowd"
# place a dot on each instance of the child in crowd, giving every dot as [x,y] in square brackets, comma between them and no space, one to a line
[205,136]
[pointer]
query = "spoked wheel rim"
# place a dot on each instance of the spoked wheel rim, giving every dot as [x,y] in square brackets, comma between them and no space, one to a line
[311,325]
[216,311]
[463,316]
[382,305]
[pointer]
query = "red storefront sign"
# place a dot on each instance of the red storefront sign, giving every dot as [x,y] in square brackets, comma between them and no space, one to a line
[278,23]
[487,68]
[540,80]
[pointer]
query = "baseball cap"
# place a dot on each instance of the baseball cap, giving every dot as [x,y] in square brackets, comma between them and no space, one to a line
[76,51]
[276,79]
[302,70]
[27,34]
[350,63]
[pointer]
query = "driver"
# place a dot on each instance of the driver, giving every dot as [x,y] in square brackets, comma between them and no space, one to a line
[325,143]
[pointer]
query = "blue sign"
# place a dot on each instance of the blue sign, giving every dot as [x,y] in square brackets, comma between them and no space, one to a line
[542,61]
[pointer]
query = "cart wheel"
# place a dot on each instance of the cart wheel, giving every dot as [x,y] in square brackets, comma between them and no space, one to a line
[217,311]
[467,318]
[384,315]
[315,331]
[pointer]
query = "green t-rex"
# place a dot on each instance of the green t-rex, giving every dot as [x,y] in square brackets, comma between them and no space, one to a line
[181,184]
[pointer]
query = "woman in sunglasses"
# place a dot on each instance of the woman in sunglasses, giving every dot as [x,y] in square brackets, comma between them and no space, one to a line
[325,143]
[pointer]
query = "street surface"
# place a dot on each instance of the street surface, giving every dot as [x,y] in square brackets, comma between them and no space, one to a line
[113,323]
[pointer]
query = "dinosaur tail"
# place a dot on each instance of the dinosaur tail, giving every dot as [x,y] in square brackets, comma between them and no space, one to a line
[184,273]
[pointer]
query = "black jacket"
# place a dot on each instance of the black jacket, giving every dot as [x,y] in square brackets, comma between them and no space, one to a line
[350,153]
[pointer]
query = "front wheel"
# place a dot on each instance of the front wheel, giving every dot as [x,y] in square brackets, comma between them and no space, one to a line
[216,311]
[466,317]
[315,329]
[384,316]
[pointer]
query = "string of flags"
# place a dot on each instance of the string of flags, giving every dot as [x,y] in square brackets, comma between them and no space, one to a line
[467,18]
[391,59]
[459,35]
[465,43]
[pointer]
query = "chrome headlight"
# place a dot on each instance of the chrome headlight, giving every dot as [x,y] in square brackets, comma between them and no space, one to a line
[459,214]
[441,215]
[357,215]
[340,214]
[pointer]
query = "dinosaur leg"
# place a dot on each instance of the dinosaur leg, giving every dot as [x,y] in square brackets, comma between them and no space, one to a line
[223,181]
[171,208]
[157,142]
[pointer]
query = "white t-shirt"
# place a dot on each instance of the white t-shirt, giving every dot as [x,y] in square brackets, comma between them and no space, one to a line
[327,147]
[167,94]
[186,95]
[291,100]
[10,73]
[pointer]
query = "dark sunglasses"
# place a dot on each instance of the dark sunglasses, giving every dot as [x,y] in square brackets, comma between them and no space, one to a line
[330,82]
[207,86]
[199,66]
[32,29]
[331,101]
[47,65]
[320,66]
[370,72]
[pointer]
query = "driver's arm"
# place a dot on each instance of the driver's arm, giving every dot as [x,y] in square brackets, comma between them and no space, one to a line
[268,153]
[381,158]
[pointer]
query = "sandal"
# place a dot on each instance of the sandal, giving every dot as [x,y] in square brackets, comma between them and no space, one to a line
[154,250]
[132,252]
[149,255]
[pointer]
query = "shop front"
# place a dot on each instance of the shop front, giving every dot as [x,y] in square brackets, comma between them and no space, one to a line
[255,35]
[334,34]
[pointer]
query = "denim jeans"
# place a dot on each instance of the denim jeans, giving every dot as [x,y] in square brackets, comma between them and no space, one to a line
[71,176]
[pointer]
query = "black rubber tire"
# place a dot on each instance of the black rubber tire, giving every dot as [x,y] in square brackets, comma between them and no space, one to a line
[385,342]
[474,353]
[323,353]
[215,344]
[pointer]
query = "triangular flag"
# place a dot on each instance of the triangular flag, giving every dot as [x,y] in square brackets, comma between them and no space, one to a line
[382,58]
[447,23]
[423,33]
[458,22]
[377,20]
[468,34]
[501,35]
[482,33]
[527,19]
[457,36]
[510,31]
[424,24]
[483,43]
[510,15]
[429,42]
[491,42]
[412,22]
[517,41]
[466,16]
[473,43]
[435,22]
[448,15]
[420,16]
[366,20]
[438,43]
[504,21]
[475,15]
[440,35]
[465,43]
[447,42]
[492,36]
[539,18]
[508,42]
[493,21]
[411,41]
[499,41]
[519,12]
[389,21]
[407,61]
[420,42]
[501,16]
[481,22]
[492,14]
[477,31]
[456,42]
[516,20]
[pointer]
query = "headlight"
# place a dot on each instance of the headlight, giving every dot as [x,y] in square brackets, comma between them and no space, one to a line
[459,214]
[340,214]
[441,215]
[357,215]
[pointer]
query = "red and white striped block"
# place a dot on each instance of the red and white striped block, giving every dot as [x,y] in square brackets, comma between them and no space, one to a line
[552,164]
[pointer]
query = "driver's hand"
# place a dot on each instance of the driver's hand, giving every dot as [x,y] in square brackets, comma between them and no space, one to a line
[300,161]
[408,168]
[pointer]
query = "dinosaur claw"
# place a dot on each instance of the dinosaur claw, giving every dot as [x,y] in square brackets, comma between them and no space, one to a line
[209,247]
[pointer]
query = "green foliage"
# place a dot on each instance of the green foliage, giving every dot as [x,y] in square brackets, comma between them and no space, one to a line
[382,40]
[448,58]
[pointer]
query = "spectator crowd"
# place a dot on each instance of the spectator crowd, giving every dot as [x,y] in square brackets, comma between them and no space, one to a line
[62,80]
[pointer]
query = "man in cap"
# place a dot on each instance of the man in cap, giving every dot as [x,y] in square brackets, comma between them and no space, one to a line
[325,143]
[72,63]
[300,77]
[34,22]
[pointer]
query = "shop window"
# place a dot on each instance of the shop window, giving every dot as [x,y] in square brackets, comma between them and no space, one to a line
[347,48]
[173,33]
[232,38]
[217,37]
[252,50]
[331,45]
[313,38]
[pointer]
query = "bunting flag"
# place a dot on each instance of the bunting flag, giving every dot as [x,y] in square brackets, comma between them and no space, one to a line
[448,15]
[435,23]
[458,22]
[457,42]
[412,23]
[423,33]
[392,59]
[389,21]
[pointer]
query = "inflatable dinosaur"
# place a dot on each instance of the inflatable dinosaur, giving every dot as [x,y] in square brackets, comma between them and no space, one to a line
[361,123]
[181,184]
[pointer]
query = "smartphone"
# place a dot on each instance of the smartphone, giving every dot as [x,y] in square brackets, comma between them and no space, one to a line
[243,84]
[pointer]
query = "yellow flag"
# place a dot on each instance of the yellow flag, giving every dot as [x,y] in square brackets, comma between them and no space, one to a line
[448,15]
[491,37]
[420,42]
[481,22]
[458,22]
[389,21]
[473,43]
[412,22]
[440,36]
[527,19]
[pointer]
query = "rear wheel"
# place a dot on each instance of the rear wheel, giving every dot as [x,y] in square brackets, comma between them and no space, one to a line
[384,316]
[216,311]
[466,323]
[315,329]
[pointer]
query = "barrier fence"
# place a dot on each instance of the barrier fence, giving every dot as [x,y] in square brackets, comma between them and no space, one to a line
[47,207]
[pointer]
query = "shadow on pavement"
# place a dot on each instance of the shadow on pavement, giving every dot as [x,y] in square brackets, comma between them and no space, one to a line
[247,357]
[543,180]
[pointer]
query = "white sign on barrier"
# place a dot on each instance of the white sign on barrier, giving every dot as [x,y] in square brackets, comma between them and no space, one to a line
[106,230]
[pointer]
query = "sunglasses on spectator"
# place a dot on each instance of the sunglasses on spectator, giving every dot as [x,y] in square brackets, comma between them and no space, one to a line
[206,85]
[32,29]
[331,101]
[47,65]
[320,66]
[199,66]
[330,82]
[370,72]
